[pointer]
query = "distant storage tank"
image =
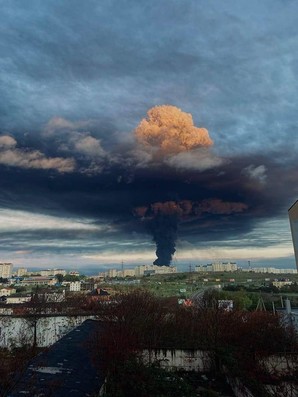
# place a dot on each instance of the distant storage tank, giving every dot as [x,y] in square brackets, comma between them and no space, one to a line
[293,216]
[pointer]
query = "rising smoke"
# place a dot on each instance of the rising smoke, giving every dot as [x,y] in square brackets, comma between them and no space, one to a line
[166,132]
[162,220]
[168,183]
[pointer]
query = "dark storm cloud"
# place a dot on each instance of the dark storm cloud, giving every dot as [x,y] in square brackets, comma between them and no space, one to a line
[223,202]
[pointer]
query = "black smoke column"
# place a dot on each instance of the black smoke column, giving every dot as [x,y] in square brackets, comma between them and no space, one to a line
[164,230]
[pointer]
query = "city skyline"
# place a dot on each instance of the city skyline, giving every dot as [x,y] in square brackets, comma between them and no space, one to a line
[83,181]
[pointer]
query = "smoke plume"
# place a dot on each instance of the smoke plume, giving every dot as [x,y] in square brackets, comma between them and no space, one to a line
[167,131]
[162,219]
[167,183]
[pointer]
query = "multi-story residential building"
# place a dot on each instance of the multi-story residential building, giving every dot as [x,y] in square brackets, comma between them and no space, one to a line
[141,270]
[52,272]
[21,271]
[217,267]
[127,272]
[293,216]
[272,270]
[46,273]
[75,286]
[112,273]
[6,270]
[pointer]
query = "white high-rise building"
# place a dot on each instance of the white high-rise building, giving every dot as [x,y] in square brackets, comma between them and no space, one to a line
[21,271]
[293,216]
[52,272]
[217,267]
[6,270]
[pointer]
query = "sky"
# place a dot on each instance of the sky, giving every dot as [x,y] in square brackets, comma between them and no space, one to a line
[128,127]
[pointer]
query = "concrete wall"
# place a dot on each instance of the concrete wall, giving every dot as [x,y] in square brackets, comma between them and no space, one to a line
[187,360]
[17,331]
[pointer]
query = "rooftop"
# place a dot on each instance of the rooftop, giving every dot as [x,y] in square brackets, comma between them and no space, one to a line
[66,369]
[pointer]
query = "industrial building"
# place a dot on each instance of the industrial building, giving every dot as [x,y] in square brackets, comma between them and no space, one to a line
[293,216]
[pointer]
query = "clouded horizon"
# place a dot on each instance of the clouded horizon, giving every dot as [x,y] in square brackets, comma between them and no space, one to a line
[88,176]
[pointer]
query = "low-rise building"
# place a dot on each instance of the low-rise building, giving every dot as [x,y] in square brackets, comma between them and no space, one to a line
[280,284]
[74,273]
[38,280]
[50,296]
[7,291]
[272,270]
[18,298]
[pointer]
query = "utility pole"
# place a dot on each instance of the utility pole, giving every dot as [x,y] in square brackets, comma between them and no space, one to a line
[122,268]
[190,273]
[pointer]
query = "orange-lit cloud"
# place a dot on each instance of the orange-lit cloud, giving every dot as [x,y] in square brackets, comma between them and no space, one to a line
[188,208]
[168,131]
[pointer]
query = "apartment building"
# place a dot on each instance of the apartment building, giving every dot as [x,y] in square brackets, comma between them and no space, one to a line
[293,216]
[139,271]
[6,270]
[21,271]
[52,272]
[142,270]
[75,286]
[217,267]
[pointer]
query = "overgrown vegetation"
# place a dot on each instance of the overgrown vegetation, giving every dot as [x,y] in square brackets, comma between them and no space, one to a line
[135,379]
[238,341]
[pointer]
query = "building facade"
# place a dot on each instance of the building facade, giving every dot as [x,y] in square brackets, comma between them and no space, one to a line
[52,272]
[38,280]
[293,216]
[21,271]
[6,270]
[75,286]
[143,270]
[139,271]
[217,267]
